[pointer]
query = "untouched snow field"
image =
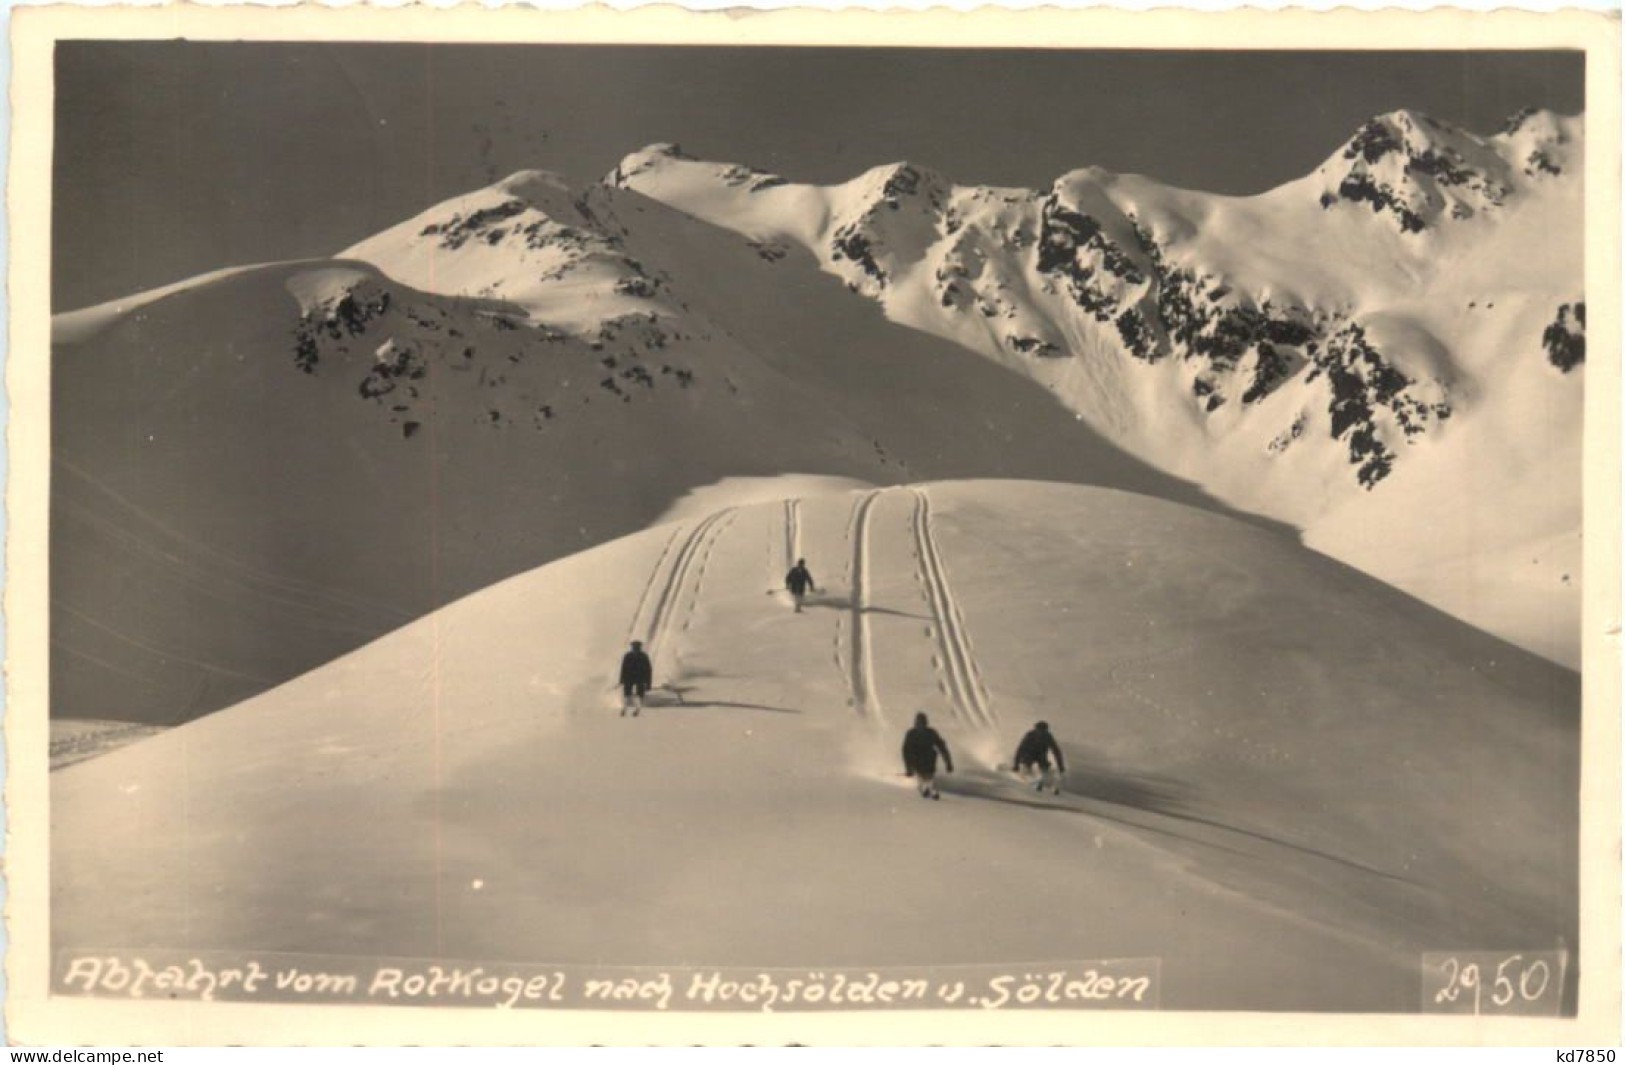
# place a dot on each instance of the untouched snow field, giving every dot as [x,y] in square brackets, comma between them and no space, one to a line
[1288,781]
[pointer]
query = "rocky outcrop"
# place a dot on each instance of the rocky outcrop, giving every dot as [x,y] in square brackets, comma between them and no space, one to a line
[1416,172]
[1565,339]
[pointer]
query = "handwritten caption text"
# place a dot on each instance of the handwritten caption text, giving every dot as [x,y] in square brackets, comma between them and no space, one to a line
[1128,983]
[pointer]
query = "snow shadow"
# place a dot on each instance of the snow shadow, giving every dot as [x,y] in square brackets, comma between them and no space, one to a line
[682,697]
[808,324]
[1117,796]
[849,605]
[1148,794]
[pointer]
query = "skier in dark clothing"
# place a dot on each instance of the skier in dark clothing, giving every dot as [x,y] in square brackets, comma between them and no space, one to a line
[798,580]
[920,749]
[637,673]
[1032,758]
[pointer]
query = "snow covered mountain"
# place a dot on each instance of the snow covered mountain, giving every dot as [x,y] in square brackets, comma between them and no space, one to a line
[1050,453]
[1285,779]
[266,467]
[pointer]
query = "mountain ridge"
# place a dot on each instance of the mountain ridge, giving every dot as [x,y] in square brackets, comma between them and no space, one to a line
[524,370]
[1212,336]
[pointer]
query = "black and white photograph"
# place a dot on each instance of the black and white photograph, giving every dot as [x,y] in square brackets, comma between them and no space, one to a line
[772,529]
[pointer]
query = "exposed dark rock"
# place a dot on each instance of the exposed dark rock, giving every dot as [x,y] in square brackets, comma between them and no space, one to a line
[1032,346]
[1446,169]
[1073,248]
[908,180]
[1063,233]
[1540,162]
[1565,340]
[1285,437]
[1516,120]
[738,174]
[770,250]
[1270,369]
[305,353]
[1373,141]
[460,229]
[851,243]
[639,286]
[393,363]
[1364,383]
[1359,188]
[1136,337]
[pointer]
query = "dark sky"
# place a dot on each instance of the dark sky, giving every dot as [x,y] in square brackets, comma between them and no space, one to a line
[173,158]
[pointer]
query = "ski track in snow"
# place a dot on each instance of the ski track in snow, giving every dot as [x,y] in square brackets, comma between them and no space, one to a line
[221,584]
[964,678]
[840,618]
[792,531]
[1166,654]
[160,652]
[632,631]
[173,546]
[865,697]
[710,547]
[1173,653]
[767,558]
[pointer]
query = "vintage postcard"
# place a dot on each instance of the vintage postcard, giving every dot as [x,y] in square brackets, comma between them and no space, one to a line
[1042,527]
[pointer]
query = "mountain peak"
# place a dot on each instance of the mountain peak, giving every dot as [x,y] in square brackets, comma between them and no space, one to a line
[533,185]
[529,241]
[1406,132]
[1416,171]
[1532,119]
[902,179]
[647,158]
[1541,143]
[669,149]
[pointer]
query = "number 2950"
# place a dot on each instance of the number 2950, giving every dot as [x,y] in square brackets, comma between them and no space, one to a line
[1528,983]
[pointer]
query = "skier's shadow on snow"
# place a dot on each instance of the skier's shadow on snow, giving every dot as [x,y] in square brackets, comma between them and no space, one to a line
[1160,796]
[683,701]
[1142,791]
[1152,794]
[1136,794]
[832,602]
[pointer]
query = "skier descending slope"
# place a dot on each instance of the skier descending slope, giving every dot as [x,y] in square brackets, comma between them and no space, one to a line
[1032,759]
[921,746]
[637,673]
[799,581]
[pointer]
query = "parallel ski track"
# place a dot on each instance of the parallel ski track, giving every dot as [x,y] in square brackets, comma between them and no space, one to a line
[792,531]
[666,604]
[865,696]
[966,687]
[632,630]
[709,549]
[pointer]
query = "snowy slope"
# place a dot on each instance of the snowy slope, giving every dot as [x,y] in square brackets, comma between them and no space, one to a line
[270,465]
[1287,780]
[266,468]
[1343,353]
